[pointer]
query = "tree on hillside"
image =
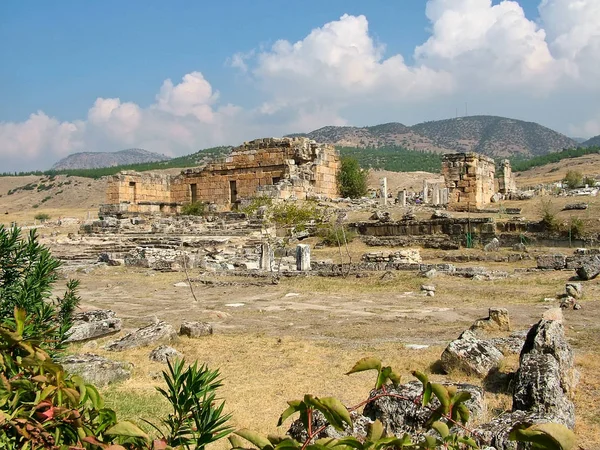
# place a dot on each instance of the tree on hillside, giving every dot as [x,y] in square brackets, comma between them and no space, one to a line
[574,179]
[352,180]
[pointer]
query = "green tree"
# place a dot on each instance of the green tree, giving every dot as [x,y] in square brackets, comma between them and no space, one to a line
[352,180]
[574,179]
[27,274]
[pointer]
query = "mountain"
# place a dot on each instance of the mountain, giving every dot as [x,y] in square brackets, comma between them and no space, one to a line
[97,160]
[592,142]
[489,135]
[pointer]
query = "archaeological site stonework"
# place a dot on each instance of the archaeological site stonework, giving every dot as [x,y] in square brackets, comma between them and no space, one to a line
[279,168]
[470,181]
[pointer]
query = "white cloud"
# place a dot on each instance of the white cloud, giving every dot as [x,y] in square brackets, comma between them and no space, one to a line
[491,55]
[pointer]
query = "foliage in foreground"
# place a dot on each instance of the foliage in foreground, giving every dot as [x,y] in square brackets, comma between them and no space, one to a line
[444,420]
[27,274]
[43,407]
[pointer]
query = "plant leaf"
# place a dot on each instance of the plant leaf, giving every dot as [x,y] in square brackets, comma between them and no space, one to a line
[254,438]
[375,431]
[125,428]
[337,409]
[441,428]
[368,363]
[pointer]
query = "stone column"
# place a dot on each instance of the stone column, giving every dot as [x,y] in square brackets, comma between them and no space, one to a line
[303,257]
[425,192]
[383,184]
[436,194]
[402,198]
[266,257]
[444,196]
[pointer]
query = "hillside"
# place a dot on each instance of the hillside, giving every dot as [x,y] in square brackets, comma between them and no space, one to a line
[97,160]
[489,135]
[592,142]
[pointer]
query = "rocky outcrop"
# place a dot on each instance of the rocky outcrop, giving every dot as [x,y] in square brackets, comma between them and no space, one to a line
[96,369]
[93,324]
[142,337]
[471,354]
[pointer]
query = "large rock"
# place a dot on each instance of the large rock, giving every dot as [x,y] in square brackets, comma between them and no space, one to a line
[497,320]
[538,389]
[492,246]
[471,354]
[552,262]
[408,416]
[93,324]
[96,369]
[163,353]
[590,268]
[496,433]
[195,329]
[148,335]
[359,428]
[574,290]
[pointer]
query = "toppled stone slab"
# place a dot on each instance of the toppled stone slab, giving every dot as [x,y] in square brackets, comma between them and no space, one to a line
[511,344]
[497,320]
[471,354]
[93,324]
[164,353]
[407,416]
[195,329]
[575,290]
[552,262]
[575,206]
[109,259]
[407,256]
[589,269]
[142,337]
[96,369]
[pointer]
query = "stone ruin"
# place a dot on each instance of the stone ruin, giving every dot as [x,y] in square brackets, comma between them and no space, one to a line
[279,168]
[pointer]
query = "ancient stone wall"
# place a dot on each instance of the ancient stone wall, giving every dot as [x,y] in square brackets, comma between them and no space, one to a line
[469,178]
[506,181]
[279,168]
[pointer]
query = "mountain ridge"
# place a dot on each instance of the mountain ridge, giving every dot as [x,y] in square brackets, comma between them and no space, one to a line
[490,135]
[97,160]
[592,142]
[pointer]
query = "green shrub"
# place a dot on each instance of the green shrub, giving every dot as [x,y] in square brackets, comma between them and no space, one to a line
[352,180]
[576,228]
[45,199]
[42,216]
[573,179]
[590,181]
[549,219]
[256,203]
[28,273]
[334,236]
[297,215]
[193,209]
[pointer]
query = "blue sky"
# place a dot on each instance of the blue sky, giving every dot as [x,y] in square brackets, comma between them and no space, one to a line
[93,76]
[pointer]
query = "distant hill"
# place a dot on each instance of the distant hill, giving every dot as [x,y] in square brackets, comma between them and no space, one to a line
[592,142]
[97,160]
[489,135]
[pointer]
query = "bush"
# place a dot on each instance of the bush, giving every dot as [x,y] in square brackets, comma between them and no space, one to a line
[590,181]
[549,220]
[256,203]
[573,179]
[576,228]
[193,209]
[334,236]
[352,180]
[295,214]
[27,274]
[42,216]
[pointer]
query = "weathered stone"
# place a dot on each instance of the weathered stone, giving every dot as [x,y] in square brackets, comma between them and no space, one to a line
[497,319]
[93,324]
[590,268]
[107,258]
[538,389]
[163,353]
[359,429]
[441,214]
[575,206]
[408,416]
[303,257]
[553,262]
[148,335]
[195,329]
[381,216]
[496,432]
[519,247]
[492,246]
[96,369]
[575,290]
[470,354]
[511,344]
[428,287]
[567,302]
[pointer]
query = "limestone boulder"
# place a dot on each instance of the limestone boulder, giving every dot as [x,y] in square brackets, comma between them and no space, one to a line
[159,332]
[590,268]
[195,329]
[575,290]
[359,428]
[492,246]
[164,353]
[552,262]
[93,324]
[497,320]
[96,369]
[471,355]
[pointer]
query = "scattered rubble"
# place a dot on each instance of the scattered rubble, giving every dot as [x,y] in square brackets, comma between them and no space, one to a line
[471,354]
[93,324]
[164,353]
[590,268]
[428,290]
[142,337]
[195,329]
[95,369]
[575,206]
[497,320]
[492,246]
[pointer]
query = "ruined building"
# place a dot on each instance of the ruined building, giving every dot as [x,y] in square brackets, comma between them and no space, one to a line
[469,178]
[506,181]
[277,168]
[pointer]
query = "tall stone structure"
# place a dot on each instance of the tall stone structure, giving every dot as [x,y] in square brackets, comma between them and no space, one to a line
[279,168]
[469,178]
[506,181]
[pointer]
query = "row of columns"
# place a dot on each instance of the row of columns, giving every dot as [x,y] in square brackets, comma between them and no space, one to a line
[267,260]
[439,194]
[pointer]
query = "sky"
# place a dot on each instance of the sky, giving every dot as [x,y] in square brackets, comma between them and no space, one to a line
[175,77]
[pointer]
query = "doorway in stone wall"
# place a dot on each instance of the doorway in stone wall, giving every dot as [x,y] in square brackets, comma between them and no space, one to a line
[132,192]
[232,192]
[194,192]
